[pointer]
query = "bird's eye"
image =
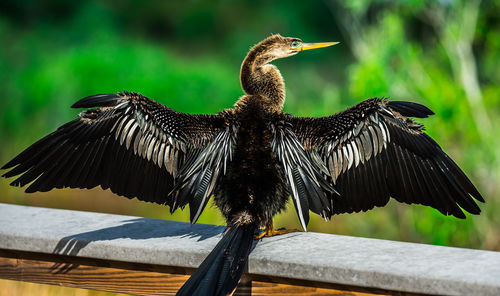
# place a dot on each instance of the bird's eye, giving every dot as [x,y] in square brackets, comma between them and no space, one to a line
[295,44]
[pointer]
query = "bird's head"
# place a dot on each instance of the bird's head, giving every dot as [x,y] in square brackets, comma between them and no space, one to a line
[258,77]
[277,46]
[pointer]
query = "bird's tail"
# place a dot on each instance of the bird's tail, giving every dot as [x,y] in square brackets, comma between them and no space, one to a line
[220,272]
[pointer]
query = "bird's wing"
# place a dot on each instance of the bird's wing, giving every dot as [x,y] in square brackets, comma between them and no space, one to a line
[309,189]
[198,178]
[132,145]
[373,151]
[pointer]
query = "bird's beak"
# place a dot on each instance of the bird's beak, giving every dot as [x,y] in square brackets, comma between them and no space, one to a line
[307,46]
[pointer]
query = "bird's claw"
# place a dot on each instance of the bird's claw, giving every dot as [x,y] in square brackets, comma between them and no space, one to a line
[270,231]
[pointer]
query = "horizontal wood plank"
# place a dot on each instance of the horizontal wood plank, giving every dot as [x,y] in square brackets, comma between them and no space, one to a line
[141,279]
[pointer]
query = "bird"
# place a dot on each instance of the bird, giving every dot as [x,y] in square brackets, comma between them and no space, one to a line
[251,158]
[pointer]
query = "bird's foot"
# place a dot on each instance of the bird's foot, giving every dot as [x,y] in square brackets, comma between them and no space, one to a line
[270,231]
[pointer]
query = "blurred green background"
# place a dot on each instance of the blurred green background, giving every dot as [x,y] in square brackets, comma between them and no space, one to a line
[187,54]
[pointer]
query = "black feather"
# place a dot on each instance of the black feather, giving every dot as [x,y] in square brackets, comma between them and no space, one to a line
[464,181]
[302,207]
[49,179]
[458,192]
[410,109]
[32,154]
[220,272]
[197,198]
[379,170]
[104,100]
[425,189]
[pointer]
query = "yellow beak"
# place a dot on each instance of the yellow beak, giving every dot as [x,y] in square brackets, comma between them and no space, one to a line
[307,46]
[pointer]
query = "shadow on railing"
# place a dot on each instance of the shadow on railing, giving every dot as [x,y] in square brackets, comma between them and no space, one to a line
[137,229]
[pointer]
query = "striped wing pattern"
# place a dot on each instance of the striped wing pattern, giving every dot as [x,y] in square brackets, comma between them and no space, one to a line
[309,189]
[373,151]
[198,178]
[131,144]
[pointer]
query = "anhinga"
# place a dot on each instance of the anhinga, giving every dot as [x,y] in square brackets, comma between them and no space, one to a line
[250,158]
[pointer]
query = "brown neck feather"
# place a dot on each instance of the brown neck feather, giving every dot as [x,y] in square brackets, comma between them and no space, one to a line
[260,78]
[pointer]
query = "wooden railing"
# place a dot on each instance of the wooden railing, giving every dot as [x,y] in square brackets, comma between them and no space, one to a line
[154,257]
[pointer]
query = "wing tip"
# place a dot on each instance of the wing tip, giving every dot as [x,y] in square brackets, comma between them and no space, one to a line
[477,196]
[459,214]
[7,166]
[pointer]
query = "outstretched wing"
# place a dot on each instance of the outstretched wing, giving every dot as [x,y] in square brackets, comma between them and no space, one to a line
[374,152]
[132,145]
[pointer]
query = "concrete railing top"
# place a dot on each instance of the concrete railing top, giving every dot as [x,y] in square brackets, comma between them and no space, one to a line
[353,261]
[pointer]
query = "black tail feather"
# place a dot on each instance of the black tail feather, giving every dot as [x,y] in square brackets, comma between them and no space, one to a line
[220,272]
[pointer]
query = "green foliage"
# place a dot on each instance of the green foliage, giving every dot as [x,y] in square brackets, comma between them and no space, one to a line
[187,55]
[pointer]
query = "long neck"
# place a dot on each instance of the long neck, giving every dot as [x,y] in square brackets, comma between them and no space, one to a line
[260,78]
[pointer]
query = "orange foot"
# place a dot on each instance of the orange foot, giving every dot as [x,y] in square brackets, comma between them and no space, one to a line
[270,231]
